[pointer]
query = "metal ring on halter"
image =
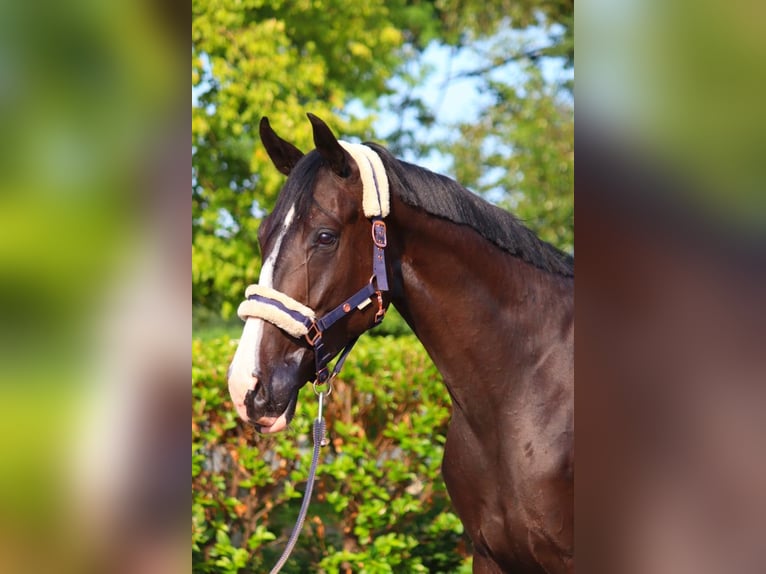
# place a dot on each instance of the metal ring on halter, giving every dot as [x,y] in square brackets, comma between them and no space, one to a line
[328,382]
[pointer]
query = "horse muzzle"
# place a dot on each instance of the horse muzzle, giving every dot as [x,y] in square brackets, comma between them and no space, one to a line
[266,403]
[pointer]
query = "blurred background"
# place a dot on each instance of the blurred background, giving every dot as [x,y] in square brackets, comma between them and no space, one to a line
[480,91]
[94,237]
[670,369]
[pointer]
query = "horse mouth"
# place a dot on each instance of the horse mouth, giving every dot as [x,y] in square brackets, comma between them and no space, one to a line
[271,424]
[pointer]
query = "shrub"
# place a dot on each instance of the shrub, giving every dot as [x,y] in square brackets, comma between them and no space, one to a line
[379,503]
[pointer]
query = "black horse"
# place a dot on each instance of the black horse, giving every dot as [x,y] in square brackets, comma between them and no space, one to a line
[492,304]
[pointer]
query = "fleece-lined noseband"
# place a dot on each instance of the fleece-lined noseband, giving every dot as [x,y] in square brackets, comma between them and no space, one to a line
[298,320]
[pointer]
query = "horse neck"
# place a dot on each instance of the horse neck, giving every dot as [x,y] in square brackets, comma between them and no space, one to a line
[483,315]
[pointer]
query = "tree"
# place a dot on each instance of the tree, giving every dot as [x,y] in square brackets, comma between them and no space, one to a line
[525,160]
[252,58]
[516,148]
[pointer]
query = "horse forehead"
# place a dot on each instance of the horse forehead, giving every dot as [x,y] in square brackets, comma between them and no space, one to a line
[276,226]
[341,197]
[272,239]
[326,194]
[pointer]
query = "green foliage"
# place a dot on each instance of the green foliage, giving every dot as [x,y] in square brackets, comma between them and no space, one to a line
[379,502]
[526,162]
[252,58]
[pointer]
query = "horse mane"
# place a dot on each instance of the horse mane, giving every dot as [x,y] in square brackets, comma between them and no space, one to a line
[443,197]
[439,196]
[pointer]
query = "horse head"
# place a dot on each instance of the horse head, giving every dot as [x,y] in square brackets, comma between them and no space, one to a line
[315,294]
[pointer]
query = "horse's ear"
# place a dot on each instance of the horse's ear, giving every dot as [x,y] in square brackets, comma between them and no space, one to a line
[329,148]
[284,154]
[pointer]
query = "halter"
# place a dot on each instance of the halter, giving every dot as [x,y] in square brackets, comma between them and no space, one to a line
[298,320]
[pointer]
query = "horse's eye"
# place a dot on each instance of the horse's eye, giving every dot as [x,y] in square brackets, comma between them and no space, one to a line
[325,238]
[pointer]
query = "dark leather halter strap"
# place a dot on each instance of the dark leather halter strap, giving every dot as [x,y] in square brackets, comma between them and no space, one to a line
[316,328]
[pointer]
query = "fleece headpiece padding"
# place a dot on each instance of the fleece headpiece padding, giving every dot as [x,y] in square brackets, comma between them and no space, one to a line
[375,196]
[276,308]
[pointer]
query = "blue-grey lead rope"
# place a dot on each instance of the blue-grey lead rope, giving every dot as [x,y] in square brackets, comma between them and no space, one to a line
[319,441]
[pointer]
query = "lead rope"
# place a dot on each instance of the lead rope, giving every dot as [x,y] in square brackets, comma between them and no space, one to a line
[319,442]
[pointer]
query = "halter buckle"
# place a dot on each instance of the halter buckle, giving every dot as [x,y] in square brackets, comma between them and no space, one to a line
[322,376]
[379,233]
[381,312]
[312,339]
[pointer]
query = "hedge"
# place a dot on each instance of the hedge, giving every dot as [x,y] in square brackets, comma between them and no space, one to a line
[379,502]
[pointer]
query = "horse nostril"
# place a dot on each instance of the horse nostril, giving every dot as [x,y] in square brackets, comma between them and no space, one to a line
[256,399]
[254,402]
[249,407]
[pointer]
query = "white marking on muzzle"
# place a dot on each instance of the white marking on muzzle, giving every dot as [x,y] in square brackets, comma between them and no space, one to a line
[245,361]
